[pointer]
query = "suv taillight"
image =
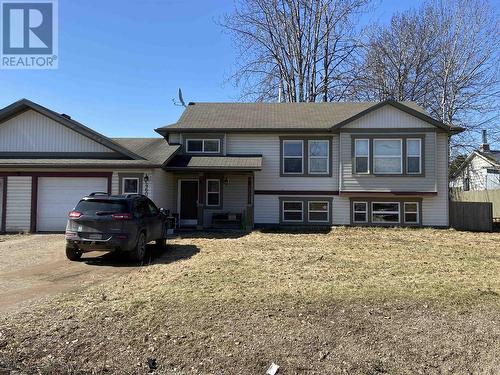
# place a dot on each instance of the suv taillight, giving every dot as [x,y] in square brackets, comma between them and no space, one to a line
[75,214]
[123,216]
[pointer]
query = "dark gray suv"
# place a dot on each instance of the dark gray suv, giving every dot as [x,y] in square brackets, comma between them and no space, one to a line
[102,222]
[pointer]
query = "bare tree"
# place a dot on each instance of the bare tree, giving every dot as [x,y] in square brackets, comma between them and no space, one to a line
[299,50]
[444,56]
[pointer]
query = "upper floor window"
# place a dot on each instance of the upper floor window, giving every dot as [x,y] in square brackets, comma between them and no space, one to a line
[414,156]
[203,145]
[319,151]
[387,156]
[362,155]
[293,157]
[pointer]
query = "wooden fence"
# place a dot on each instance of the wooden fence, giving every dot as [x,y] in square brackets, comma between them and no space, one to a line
[492,196]
[473,216]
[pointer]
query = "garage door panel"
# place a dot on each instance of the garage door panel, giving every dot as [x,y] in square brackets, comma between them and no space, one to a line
[59,195]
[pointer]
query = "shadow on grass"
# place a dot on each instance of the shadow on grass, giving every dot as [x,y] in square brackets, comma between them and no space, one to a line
[171,254]
[209,234]
[296,230]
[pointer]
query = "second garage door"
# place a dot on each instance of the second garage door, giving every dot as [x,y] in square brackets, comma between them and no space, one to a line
[59,195]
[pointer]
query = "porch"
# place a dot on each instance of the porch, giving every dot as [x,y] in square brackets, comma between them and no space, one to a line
[214,192]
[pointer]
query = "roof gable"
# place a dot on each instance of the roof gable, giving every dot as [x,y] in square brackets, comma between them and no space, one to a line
[25,105]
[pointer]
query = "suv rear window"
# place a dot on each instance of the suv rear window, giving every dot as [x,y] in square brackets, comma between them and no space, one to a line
[93,206]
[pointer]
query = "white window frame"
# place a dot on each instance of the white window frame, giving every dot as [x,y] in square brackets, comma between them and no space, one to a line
[411,212]
[301,141]
[130,192]
[202,145]
[327,157]
[354,212]
[367,140]
[388,156]
[327,212]
[212,192]
[398,212]
[301,211]
[414,156]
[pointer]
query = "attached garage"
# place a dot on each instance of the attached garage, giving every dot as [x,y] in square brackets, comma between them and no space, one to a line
[58,195]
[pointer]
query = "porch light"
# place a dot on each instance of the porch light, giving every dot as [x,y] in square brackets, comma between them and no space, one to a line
[226,181]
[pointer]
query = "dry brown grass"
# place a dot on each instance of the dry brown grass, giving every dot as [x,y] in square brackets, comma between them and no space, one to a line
[355,300]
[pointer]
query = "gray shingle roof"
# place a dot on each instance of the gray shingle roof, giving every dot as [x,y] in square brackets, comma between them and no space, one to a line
[276,116]
[236,163]
[155,150]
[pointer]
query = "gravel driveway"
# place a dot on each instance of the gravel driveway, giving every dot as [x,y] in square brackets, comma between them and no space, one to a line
[35,266]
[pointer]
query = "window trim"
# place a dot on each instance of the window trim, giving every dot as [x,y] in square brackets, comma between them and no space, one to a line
[309,157]
[385,212]
[203,140]
[283,211]
[381,136]
[402,200]
[292,157]
[354,212]
[327,211]
[305,155]
[407,156]
[368,171]
[416,212]
[401,166]
[130,178]
[212,192]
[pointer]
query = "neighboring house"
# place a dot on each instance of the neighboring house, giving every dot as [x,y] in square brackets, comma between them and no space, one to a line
[259,164]
[480,171]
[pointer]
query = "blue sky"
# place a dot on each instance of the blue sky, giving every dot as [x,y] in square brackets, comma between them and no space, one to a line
[121,62]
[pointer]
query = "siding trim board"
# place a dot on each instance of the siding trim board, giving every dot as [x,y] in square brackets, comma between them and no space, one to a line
[401,202]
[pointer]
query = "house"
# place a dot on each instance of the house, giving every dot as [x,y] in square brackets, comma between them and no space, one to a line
[479,171]
[254,164]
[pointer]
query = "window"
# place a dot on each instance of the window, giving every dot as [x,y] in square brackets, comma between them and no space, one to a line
[411,212]
[385,212]
[203,145]
[361,155]
[387,158]
[319,156]
[130,185]
[414,156]
[319,212]
[466,186]
[360,212]
[213,192]
[293,157]
[293,211]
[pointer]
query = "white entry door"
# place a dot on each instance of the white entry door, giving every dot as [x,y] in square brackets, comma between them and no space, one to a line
[57,196]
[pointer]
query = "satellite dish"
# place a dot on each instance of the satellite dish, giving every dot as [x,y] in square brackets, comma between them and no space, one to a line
[181,99]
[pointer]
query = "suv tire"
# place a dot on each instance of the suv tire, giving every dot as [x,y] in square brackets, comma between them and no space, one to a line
[73,253]
[138,253]
[161,244]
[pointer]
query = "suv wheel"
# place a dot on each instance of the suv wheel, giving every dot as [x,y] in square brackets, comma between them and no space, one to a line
[140,249]
[73,253]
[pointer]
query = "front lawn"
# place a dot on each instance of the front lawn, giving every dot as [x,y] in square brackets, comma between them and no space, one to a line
[354,300]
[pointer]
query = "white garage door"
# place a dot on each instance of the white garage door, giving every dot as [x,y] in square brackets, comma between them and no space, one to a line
[57,196]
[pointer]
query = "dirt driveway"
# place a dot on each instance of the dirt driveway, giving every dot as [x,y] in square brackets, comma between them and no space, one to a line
[35,266]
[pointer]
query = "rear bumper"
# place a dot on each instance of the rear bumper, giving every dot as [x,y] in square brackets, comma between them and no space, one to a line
[110,244]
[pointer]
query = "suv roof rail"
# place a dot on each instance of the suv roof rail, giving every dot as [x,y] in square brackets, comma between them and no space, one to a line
[133,195]
[97,193]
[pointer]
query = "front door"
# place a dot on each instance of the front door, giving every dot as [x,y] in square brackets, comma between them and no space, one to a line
[188,202]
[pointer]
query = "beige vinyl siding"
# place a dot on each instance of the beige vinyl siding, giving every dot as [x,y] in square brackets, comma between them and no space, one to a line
[268,145]
[435,211]
[33,132]
[234,197]
[266,209]
[18,204]
[388,117]
[352,182]
[164,190]
[341,211]
[174,138]
[1,202]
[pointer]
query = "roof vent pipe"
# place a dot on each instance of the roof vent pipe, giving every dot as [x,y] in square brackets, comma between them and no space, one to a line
[66,116]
